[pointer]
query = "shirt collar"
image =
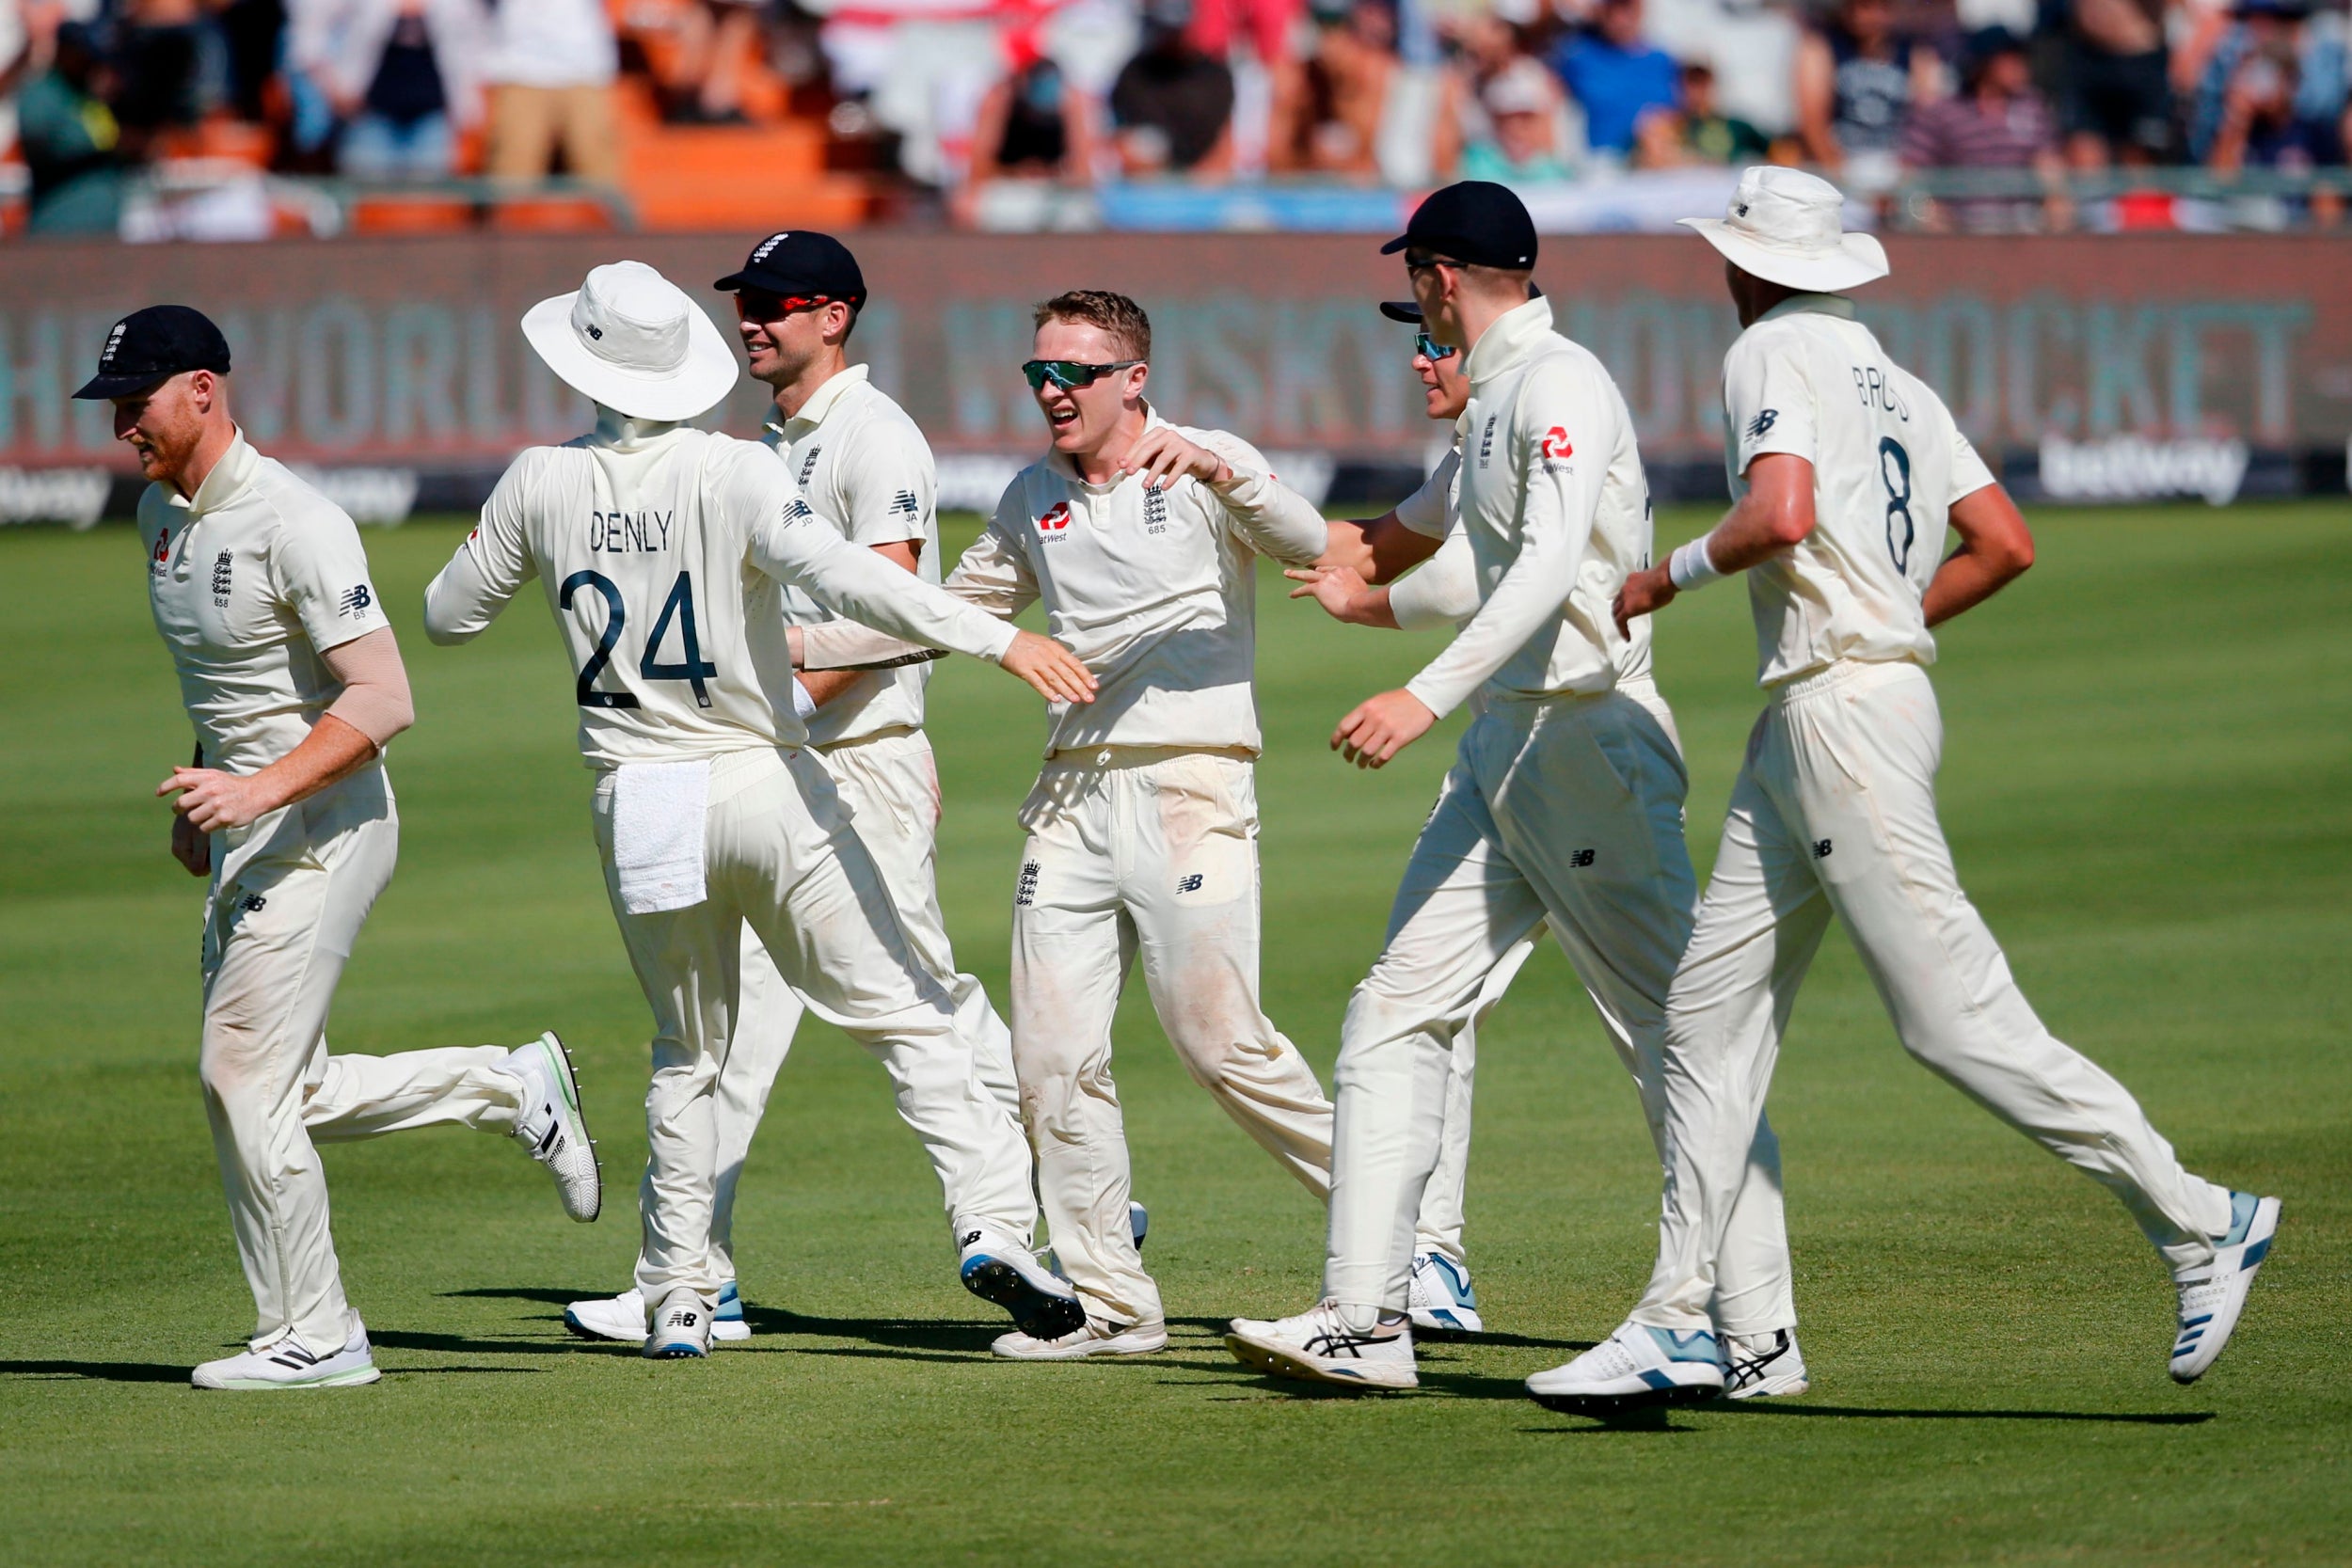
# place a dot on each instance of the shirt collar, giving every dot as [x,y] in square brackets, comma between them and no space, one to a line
[626,431]
[1819,305]
[1514,335]
[225,484]
[813,411]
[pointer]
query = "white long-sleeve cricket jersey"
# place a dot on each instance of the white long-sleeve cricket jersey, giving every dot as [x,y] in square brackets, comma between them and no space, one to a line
[1888,461]
[660,548]
[1443,590]
[1154,590]
[1554,501]
[865,468]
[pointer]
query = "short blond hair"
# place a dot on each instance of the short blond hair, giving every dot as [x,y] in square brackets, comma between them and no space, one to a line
[1115,314]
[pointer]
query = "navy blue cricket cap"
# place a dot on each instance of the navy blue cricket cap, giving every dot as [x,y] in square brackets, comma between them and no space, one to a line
[800,262]
[1409,311]
[1477,222]
[148,347]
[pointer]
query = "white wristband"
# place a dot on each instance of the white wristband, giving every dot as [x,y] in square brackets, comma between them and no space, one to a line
[803,706]
[1690,567]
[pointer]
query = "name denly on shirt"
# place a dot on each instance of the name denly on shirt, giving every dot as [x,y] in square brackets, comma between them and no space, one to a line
[630,533]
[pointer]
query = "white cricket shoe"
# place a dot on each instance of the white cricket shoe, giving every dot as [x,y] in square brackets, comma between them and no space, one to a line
[682,1328]
[1094,1337]
[1439,1299]
[1635,1366]
[999,1269]
[285,1363]
[1763,1366]
[621,1316]
[2214,1295]
[552,1127]
[727,1324]
[1317,1346]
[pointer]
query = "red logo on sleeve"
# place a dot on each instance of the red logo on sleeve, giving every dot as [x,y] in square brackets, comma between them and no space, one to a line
[1057,518]
[1556,443]
[163,545]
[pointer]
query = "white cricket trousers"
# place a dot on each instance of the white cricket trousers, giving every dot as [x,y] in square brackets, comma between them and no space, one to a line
[1567,813]
[890,785]
[1141,849]
[277,934]
[1834,813]
[780,855]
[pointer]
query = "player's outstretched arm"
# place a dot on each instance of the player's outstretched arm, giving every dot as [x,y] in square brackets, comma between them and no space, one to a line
[1344,594]
[1775,514]
[1996,548]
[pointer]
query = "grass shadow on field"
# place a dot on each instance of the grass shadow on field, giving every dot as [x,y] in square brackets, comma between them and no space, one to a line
[98,1372]
[460,1344]
[2128,1418]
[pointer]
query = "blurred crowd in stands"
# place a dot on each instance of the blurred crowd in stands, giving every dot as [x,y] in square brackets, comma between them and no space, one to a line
[1005,113]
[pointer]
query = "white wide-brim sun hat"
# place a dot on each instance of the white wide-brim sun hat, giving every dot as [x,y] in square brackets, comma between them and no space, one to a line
[1788,227]
[630,338]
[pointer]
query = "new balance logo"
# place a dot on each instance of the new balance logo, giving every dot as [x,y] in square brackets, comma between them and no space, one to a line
[253,903]
[904,502]
[1582,859]
[356,601]
[797,511]
[1190,884]
[967,1241]
[1762,422]
[1820,848]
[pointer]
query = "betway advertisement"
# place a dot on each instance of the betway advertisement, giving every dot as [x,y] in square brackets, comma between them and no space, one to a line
[2092,369]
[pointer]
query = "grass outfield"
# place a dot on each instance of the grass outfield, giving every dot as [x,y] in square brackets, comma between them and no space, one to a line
[2148,790]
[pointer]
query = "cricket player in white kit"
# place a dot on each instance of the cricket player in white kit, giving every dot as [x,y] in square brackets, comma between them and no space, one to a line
[1141,539]
[1358,582]
[865,468]
[1565,807]
[294,685]
[1845,469]
[660,548]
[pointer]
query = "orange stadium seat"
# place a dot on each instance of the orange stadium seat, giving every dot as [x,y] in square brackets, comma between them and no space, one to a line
[410,214]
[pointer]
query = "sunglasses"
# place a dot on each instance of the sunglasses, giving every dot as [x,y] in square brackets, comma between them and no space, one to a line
[759,304]
[1432,350]
[1419,262]
[1069,375]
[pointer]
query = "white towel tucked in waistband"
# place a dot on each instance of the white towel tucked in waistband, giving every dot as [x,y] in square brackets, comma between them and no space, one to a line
[658,810]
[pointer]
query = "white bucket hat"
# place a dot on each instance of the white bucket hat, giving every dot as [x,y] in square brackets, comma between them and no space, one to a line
[630,339]
[1787,226]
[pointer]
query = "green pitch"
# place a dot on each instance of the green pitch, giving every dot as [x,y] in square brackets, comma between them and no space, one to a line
[2150,792]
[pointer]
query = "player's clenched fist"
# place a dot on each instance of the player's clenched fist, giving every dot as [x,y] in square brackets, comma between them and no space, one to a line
[211,800]
[1162,457]
[1054,670]
[191,846]
[1380,727]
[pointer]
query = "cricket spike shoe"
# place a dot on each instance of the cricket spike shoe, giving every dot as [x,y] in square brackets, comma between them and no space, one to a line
[999,1269]
[682,1328]
[1094,1337]
[1763,1366]
[621,1316]
[552,1128]
[1439,1299]
[727,1324]
[287,1363]
[2213,1295]
[1318,1346]
[1635,1366]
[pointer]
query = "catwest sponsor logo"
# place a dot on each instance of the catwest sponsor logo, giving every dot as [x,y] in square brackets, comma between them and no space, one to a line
[1556,444]
[1057,518]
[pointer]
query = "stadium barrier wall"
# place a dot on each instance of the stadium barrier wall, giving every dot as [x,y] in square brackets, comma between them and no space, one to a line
[2092,368]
